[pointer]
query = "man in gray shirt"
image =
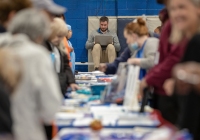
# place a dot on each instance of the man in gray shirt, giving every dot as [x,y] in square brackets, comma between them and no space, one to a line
[102,54]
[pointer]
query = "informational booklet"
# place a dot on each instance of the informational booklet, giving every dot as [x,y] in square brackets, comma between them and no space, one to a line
[116,90]
[125,87]
[132,88]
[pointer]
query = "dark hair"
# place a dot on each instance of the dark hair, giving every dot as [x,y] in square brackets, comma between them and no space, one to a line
[138,27]
[7,6]
[103,19]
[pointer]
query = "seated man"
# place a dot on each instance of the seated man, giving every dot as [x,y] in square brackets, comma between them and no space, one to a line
[100,53]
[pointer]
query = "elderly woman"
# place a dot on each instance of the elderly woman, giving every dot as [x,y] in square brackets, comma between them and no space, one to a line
[61,63]
[37,97]
[36,28]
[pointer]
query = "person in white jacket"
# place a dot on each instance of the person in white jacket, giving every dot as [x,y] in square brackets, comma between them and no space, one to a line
[37,97]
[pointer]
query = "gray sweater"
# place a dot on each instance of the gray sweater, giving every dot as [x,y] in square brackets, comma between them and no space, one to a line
[150,49]
[90,41]
[38,96]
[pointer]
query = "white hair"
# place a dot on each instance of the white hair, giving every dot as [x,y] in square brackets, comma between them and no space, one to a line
[31,22]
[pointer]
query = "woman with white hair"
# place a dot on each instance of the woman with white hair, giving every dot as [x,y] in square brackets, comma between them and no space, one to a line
[38,96]
[37,28]
[55,46]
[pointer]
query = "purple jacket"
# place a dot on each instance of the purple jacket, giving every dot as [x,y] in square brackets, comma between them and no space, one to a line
[170,55]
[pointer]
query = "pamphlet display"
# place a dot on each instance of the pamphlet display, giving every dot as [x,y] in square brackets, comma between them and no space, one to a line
[124,87]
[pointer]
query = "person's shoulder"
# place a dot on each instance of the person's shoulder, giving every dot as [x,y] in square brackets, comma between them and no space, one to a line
[38,54]
[151,40]
[39,50]
[29,49]
[112,32]
[94,32]
[151,44]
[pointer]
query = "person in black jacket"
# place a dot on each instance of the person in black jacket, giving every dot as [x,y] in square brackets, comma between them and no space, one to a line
[57,49]
[186,95]
[187,75]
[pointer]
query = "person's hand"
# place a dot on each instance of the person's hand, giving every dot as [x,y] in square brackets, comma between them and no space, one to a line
[74,87]
[102,67]
[187,77]
[134,61]
[169,86]
[143,85]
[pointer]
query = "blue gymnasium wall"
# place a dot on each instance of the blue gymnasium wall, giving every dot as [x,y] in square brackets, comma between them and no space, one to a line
[79,10]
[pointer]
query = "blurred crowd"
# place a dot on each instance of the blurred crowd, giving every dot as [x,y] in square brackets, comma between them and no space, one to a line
[37,65]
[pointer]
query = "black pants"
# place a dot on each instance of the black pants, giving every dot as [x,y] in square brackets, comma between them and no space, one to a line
[48,130]
[182,111]
[189,113]
[168,107]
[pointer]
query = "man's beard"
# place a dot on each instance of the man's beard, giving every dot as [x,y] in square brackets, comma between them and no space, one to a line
[103,30]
